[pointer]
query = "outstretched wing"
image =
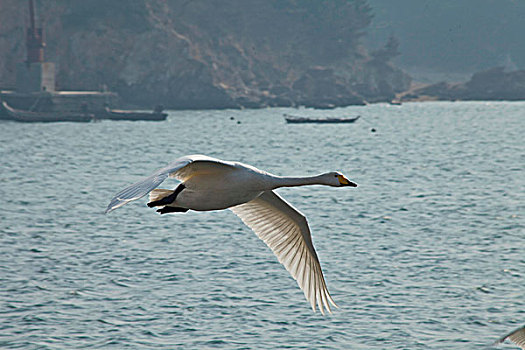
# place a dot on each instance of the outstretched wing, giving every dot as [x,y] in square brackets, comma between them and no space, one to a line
[285,230]
[181,169]
[517,336]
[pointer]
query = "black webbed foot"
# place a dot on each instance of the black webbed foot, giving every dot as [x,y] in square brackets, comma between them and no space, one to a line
[166,210]
[163,201]
[169,199]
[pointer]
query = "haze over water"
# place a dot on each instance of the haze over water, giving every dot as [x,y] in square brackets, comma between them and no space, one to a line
[427,253]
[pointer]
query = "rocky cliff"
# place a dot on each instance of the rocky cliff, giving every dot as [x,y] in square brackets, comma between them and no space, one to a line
[488,85]
[209,54]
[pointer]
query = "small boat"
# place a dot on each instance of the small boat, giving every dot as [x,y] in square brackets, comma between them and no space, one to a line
[118,114]
[294,119]
[25,116]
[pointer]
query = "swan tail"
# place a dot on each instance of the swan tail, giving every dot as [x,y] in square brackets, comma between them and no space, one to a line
[163,198]
[157,195]
[160,197]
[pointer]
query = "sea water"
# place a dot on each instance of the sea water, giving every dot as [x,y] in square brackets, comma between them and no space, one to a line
[427,253]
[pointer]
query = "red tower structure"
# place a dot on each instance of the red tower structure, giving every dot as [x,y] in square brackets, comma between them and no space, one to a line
[34,38]
[35,89]
[34,74]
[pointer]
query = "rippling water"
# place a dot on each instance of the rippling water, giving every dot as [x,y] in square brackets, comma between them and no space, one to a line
[427,253]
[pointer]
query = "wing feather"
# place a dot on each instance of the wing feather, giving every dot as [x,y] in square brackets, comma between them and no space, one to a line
[286,232]
[517,336]
[181,169]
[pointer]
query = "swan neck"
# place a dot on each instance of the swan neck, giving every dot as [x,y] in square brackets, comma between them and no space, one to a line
[288,181]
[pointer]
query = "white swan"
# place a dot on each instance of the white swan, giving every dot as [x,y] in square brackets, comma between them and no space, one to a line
[212,184]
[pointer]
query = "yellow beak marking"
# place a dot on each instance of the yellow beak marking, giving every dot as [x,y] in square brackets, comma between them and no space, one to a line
[343,180]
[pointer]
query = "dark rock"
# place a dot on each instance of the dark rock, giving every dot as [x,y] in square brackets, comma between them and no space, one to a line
[496,84]
[491,84]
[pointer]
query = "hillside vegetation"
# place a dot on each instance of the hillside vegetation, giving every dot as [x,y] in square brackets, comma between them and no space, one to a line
[209,54]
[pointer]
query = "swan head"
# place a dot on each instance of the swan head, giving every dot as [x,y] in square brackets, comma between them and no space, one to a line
[336,179]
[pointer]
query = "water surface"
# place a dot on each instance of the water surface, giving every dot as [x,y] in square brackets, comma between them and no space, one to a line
[427,253]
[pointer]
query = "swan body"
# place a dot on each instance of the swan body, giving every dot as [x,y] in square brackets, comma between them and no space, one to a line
[211,184]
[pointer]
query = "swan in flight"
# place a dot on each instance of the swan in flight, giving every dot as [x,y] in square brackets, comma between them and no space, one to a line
[212,184]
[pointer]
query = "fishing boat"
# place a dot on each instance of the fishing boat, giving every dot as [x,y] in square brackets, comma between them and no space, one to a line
[118,114]
[25,116]
[297,120]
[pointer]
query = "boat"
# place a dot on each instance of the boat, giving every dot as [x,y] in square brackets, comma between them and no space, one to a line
[294,119]
[119,114]
[26,116]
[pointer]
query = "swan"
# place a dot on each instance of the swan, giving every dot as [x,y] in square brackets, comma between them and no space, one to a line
[212,184]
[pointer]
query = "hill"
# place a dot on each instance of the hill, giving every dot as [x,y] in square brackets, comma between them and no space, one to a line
[451,39]
[209,54]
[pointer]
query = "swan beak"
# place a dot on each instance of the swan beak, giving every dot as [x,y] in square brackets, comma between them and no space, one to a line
[345,182]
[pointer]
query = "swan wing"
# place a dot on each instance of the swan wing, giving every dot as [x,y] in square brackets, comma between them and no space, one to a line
[285,230]
[197,164]
[180,169]
[517,336]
